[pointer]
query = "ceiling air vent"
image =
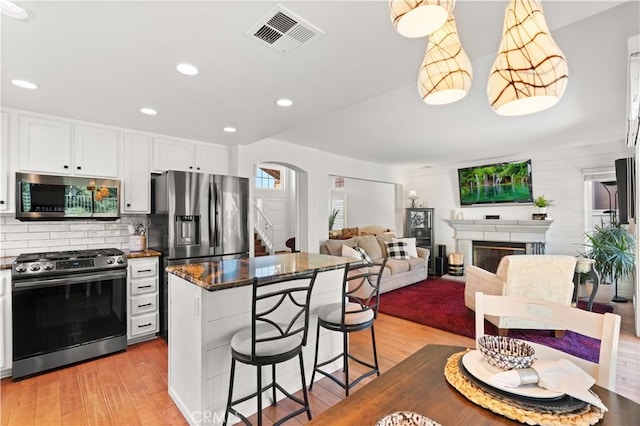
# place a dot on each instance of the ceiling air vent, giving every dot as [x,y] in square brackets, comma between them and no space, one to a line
[284,31]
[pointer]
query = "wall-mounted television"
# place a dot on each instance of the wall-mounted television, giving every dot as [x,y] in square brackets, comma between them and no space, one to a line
[497,183]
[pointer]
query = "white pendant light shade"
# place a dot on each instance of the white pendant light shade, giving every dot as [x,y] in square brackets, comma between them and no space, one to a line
[419,18]
[530,72]
[446,73]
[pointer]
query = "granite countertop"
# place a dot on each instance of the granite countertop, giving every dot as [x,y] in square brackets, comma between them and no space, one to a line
[143,253]
[231,273]
[6,262]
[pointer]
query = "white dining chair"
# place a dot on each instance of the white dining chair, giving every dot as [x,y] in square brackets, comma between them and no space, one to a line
[605,327]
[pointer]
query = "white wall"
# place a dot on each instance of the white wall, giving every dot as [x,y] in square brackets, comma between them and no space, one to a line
[313,168]
[556,173]
[369,203]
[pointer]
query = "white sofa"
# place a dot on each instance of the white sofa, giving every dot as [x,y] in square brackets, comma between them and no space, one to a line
[397,272]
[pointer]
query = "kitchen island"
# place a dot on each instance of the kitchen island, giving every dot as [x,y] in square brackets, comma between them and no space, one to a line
[209,302]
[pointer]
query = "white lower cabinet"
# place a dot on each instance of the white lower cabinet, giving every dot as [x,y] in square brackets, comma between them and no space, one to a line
[6,353]
[142,293]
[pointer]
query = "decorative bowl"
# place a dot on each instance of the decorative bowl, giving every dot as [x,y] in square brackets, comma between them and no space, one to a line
[506,353]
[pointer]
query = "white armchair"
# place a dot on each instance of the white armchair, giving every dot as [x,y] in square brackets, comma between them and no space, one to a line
[545,277]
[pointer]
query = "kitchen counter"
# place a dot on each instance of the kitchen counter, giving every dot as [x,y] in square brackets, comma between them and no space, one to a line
[202,321]
[143,253]
[6,262]
[224,274]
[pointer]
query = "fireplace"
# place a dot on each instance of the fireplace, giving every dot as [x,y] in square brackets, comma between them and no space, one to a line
[505,235]
[487,254]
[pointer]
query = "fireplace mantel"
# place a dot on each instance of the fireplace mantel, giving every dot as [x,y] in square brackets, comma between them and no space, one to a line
[531,232]
[501,230]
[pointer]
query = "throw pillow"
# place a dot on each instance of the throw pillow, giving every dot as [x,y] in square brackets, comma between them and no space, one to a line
[349,232]
[411,245]
[397,250]
[363,254]
[349,252]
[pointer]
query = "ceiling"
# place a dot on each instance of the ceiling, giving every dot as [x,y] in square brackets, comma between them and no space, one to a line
[354,87]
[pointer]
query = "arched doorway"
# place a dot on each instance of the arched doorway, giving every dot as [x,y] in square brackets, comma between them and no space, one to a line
[278,189]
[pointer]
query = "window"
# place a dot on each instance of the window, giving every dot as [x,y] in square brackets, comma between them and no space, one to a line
[601,197]
[268,178]
[337,204]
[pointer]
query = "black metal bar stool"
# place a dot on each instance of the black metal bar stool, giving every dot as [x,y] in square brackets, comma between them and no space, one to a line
[278,331]
[357,311]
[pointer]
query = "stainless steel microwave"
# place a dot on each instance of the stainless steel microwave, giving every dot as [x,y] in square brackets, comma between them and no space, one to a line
[45,197]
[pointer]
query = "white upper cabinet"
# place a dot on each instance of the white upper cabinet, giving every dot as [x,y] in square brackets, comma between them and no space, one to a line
[44,145]
[6,177]
[171,154]
[95,151]
[136,179]
[212,159]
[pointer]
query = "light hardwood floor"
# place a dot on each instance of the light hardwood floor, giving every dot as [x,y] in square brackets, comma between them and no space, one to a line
[130,388]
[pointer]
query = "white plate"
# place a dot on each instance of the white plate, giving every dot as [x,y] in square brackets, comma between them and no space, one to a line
[475,364]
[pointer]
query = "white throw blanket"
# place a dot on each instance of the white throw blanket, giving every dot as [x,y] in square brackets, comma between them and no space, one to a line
[558,376]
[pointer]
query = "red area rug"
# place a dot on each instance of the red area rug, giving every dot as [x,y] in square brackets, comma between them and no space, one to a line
[440,304]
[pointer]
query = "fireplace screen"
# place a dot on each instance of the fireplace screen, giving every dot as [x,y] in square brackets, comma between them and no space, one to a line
[487,254]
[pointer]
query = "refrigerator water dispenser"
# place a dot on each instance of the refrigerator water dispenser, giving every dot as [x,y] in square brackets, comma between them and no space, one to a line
[187,230]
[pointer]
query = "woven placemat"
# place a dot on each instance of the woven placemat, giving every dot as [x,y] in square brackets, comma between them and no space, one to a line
[511,409]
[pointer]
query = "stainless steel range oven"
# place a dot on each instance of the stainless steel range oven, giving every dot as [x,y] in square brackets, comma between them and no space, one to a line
[68,306]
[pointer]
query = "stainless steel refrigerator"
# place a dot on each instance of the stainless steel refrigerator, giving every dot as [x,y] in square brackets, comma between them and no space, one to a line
[197,217]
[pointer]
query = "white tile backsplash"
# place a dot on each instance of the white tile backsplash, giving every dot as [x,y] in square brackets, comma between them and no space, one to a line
[68,234]
[110,233]
[15,244]
[48,227]
[86,227]
[32,237]
[14,228]
[27,236]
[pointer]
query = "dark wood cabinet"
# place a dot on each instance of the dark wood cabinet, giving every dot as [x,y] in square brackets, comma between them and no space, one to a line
[419,225]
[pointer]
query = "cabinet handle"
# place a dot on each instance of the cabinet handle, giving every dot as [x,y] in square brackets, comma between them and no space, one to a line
[79,167]
[144,325]
[144,270]
[143,305]
[190,167]
[128,204]
[198,168]
[1,201]
[144,286]
[65,166]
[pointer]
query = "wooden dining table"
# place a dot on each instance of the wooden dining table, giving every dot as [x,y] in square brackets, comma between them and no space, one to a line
[418,384]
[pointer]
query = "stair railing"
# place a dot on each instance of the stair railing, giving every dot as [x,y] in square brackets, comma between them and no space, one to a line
[263,227]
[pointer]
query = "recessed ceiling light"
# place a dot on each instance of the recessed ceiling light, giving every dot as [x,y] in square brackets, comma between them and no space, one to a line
[229,129]
[187,69]
[148,111]
[284,102]
[25,84]
[12,10]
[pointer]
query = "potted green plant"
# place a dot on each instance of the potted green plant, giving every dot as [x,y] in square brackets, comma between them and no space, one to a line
[612,248]
[542,203]
[332,218]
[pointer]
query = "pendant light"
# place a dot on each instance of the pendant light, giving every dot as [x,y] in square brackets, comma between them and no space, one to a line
[530,72]
[446,73]
[419,18]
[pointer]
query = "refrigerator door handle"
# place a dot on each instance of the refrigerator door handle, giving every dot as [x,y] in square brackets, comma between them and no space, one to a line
[211,219]
[218,203]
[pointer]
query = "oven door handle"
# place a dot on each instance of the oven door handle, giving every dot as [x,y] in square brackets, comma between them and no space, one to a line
[71,279]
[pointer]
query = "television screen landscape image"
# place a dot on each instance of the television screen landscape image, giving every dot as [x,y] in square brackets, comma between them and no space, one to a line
[508,182]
